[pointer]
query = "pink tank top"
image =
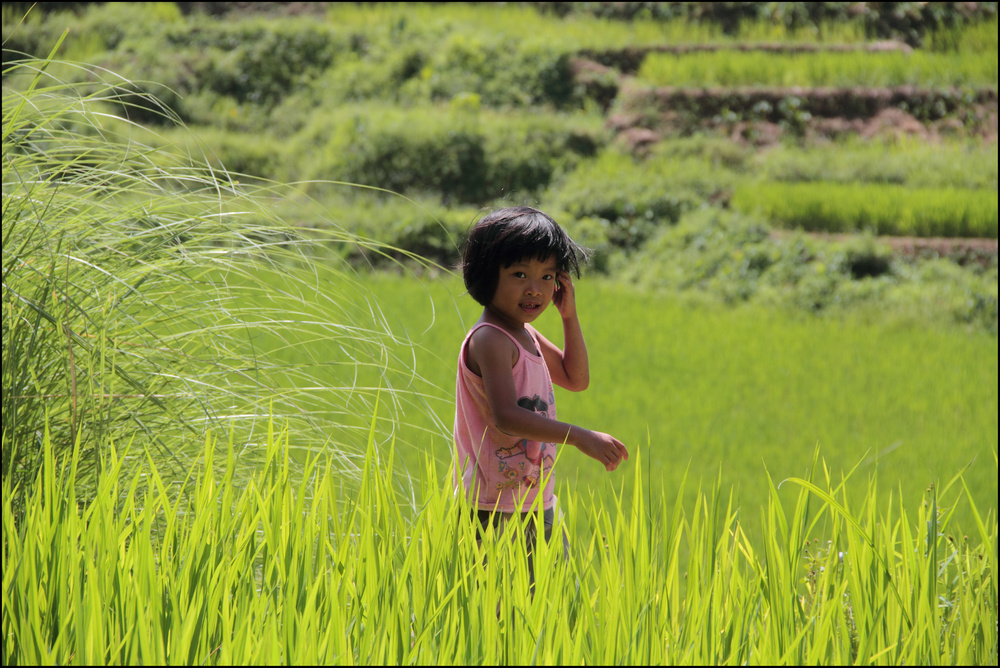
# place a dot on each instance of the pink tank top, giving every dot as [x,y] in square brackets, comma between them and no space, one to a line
[499,471]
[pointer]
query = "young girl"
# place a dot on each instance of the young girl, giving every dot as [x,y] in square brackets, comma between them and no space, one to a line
[516,262]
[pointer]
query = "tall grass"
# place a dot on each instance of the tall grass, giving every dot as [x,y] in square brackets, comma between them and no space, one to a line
[138,282]
[289,569]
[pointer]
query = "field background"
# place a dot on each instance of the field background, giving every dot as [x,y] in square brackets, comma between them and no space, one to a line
[741,172]
[707,393]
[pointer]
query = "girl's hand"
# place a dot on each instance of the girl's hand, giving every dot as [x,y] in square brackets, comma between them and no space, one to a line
[565,295]
[605,448]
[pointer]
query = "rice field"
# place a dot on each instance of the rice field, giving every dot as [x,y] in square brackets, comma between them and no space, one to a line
[884,209]
[733,394]
[728,68]
[223,446]
[288,569]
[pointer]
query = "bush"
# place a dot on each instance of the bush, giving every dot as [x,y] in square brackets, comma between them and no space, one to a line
[374,230]
[631,198]
[735,258]
[259,62]
[461,154]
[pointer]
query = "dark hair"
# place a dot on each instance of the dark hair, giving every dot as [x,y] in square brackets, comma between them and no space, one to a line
[509,235]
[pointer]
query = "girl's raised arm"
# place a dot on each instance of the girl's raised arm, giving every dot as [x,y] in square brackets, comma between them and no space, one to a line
[570,367]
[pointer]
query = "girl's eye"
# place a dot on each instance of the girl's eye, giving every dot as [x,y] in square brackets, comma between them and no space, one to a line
[549,277]
[519,274]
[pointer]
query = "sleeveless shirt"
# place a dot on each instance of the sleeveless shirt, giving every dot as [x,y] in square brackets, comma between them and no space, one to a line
[499,471]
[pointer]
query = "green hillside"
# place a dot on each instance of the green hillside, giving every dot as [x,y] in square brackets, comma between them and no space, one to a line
[627,121]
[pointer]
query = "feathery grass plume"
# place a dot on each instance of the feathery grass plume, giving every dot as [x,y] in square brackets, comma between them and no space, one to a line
[146,294]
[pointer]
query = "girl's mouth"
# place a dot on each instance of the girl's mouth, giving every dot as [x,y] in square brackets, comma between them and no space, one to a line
[531,307]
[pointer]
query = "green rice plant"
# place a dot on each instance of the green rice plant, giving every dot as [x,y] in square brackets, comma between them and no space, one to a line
[879,208]
[730,68]
[975,37]
[138,283]
[290,569]
[913,163]
[576,29]
[802,354]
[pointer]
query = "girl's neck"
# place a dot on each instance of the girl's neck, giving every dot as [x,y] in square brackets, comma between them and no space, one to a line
[494,318]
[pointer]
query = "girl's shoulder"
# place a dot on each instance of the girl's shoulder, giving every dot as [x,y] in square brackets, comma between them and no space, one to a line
[488,340]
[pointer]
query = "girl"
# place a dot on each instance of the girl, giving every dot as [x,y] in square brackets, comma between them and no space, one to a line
[517,261]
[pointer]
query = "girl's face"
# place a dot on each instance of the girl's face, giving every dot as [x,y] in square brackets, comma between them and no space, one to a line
[524,290]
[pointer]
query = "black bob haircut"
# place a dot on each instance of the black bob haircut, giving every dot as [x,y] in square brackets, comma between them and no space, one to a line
[509,235]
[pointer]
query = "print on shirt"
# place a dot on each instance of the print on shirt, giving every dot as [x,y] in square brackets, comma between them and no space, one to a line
[522,463]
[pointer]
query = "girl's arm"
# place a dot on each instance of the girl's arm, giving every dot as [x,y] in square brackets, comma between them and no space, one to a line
[491,353]
[569,368]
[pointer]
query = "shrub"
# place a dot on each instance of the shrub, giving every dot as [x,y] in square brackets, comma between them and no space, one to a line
[373,229]
[260,62]
[464,155]
[735,258]
[633,197]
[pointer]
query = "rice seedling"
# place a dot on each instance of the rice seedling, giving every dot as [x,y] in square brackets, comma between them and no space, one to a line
[287,568]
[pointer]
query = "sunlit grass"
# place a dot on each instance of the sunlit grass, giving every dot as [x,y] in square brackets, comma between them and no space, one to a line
[290,569]
[879,208]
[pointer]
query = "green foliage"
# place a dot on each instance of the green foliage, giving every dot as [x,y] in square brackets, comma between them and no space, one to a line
[738,259]
[395,151]
[630,198]
[138,286]
[292,570]
[894,68]
[258,62]
[911,22]
[975,37]
[465,155]
[880,208]
[910,162]
[505,73]
[373,229]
